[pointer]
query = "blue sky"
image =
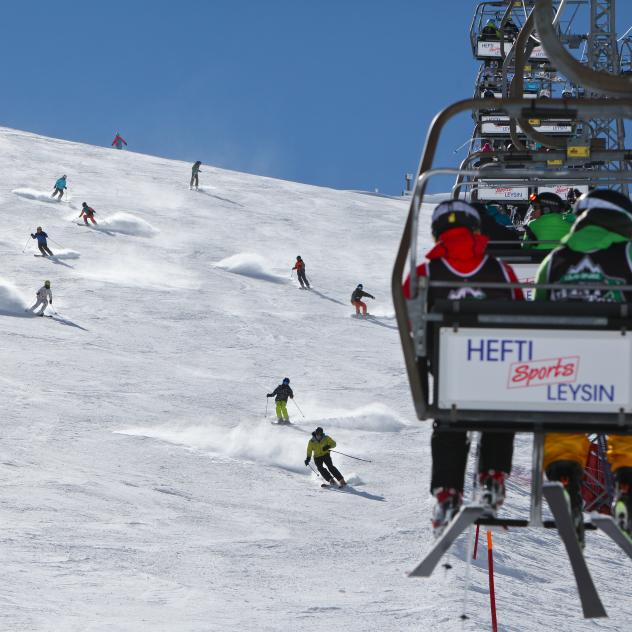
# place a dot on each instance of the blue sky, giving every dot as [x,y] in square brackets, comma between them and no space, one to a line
[330,92]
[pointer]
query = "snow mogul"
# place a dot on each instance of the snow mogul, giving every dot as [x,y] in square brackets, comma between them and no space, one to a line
[320,445]
[596,251]
[459,255]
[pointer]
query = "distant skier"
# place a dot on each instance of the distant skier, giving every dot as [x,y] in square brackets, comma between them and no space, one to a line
[299,266]
[118,141]
[280,394]
[195,171]
[44,297]
[320,445]
[356,299]
[42,244]
[87,213]
[60,186]
[459,256]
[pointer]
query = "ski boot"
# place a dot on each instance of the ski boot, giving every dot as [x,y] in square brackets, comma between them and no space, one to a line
[570,473]
[622,506]
[342,483]
[448,504]
[491,490]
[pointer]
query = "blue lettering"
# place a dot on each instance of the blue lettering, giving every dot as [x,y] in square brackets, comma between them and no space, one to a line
[562,392]
[504,350]
[471,349]
[607,391]
[580,392]
[492,348]
[550,395]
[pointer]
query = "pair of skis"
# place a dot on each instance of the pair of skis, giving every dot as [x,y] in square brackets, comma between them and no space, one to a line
[556,499]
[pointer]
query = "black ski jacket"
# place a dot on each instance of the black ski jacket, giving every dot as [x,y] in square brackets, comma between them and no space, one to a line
[282,392]
[358,294]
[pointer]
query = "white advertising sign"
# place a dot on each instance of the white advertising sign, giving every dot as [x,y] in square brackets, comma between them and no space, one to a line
[500,126]
[563,189]
[486,192]
[526,273]
[491,50]
[527,369]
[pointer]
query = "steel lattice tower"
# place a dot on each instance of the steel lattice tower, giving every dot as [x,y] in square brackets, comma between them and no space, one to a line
[603,55]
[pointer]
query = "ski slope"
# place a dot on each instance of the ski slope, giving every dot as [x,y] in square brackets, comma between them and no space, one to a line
[142,486]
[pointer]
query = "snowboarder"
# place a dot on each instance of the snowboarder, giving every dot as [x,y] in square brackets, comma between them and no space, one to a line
[548,222]
[195,170]
[598,249]
[280,394]
[42,244]
[118,141]
[87,213]
[320,445]
[299,266]
[356,300]
[60,185]
[44,297]
[459,255]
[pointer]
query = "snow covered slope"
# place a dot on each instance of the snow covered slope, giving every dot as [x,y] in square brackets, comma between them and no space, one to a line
[142,487]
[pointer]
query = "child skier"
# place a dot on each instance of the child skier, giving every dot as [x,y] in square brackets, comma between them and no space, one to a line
[42,244]
[356,299]
[87,213]
[320,445]
[44,297]
[299,266]
[195,170]
[118,141]
[280,394]
[60,185]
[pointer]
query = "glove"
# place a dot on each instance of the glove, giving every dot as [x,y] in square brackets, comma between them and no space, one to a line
[307,461]
[269,395]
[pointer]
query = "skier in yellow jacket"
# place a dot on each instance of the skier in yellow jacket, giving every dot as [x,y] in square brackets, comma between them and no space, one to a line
[597,250]
[320,445]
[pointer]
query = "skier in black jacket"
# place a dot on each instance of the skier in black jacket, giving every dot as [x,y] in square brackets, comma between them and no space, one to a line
[356,299]
[282,392]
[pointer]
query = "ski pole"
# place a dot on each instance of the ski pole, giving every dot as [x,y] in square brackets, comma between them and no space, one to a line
[266,415]
[25,245]
[313,470]
[292,273]
[352,457]
[299,408]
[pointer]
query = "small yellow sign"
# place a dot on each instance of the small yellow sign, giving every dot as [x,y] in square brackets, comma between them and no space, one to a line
[534,122]
[578,151]
[554,163]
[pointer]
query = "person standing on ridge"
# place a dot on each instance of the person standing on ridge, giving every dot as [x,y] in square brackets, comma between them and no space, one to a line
[299,266]
[280,394]
[118,141]
[87,213]
[356,300]
[320,445]
[44,297]
[42,244]
[195,170]
[60,185]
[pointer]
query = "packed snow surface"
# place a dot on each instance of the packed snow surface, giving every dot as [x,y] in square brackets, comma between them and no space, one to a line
[143,485]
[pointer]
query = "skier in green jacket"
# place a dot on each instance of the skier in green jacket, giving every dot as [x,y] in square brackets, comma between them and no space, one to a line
[548,224]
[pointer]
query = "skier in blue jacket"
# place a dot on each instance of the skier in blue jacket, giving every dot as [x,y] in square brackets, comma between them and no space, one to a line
[42,244]
[60,185]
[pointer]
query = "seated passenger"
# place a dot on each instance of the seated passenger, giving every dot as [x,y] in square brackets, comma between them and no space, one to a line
[510,29]
[489,94]
[596,251]
[490,31]
[496,225]
[547,223]
[459,255]
[486,146]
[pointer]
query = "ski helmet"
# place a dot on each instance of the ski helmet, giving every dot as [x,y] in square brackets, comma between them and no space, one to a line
[286,380]
[549,203]
[318,431]
[609,209]
[454,213]
[298,257]
[39,228]
[360,286]
[46,283]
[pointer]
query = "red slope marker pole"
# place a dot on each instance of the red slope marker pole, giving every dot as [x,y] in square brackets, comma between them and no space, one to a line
[478,528]
[490,566]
